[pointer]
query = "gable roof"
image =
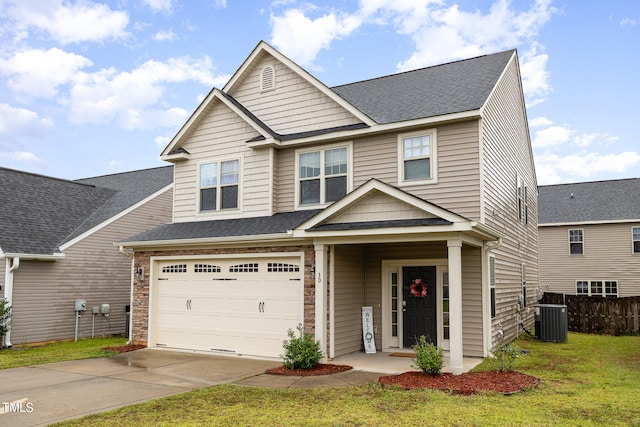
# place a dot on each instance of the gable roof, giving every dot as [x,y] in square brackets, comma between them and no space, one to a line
[455,87]
[598,201]
[40,213]
[449,88]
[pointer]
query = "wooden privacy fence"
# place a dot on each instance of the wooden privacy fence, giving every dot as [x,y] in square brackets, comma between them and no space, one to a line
[599,315]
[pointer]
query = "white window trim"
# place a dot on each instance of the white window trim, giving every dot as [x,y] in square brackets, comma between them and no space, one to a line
[348,146]
[433,148]
[633,252]
[604,287]
[218,211]
[569,242]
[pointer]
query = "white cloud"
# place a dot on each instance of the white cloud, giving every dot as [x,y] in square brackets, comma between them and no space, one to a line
[162,36]
[628,22]
[135,99]
[68,22]
[16,122]
[540,122]
[552,136]
[553,168]
[24,157]
[535,77]
[38,73]
[302,38]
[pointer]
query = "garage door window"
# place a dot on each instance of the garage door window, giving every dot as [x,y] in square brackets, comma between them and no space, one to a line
[244,268]
[206,268]
[278,267]
[176,268]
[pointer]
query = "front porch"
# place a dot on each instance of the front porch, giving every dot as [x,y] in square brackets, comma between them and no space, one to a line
[388,363]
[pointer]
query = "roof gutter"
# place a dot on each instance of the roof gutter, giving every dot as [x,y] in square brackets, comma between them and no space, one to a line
[262,238]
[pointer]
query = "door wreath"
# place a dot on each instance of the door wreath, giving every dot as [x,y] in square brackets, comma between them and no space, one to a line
[418,288]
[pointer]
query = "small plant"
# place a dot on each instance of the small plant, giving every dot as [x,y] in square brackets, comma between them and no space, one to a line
[429,357]
[301,352]
[5,319]
[509,355]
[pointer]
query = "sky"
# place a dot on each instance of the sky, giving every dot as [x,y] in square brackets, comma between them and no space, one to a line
[91,88]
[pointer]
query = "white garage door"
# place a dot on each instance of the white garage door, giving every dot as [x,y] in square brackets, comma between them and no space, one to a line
[237,306]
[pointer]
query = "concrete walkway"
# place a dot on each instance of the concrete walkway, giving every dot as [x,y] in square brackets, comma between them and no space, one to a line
[44,394]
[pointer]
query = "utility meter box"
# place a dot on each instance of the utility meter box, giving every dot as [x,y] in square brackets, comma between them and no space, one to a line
[104,309]
[81,305]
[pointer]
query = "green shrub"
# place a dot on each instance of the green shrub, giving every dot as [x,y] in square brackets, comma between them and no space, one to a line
[509,355]
[429,357]
[5,318]
[301,352]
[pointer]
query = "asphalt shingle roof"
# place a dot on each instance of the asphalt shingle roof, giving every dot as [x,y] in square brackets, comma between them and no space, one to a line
[589,201]
[39,213]
[442,89]
[278,223]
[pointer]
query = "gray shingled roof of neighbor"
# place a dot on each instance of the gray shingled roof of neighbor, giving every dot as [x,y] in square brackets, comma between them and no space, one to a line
[39,213]
[598,201]
[278,223]
[427,92]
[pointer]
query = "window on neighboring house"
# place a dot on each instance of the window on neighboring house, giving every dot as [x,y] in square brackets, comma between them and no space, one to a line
[597,287]
[611,288]
[322,175]
[526,205]
[635,236]
[519,196]
[492,284]
[219,185]
[522,195]
[576,242]
[582,287]
[417,157]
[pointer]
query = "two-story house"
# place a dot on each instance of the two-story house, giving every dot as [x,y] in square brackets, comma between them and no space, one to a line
[294,202]
[590,238]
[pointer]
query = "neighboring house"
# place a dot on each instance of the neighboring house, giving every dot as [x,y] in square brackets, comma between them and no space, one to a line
[299,203]
[57,244]
[589,238]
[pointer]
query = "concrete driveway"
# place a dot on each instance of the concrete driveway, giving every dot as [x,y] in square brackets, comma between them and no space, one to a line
[44,394]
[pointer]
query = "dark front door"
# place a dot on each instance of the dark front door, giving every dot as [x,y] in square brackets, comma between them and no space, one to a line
[419,304]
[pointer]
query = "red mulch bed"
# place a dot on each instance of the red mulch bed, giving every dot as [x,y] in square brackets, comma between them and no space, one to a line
[504,382]
[125,348]
[319,369]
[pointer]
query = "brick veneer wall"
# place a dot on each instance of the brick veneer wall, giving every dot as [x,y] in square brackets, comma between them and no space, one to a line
[140,304]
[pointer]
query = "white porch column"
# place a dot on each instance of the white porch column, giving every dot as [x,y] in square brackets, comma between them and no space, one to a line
[321,297]
[455,306]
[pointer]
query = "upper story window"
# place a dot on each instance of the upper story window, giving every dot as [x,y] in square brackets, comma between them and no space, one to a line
[417,157]
[322,175]
[522,194]
[635,236]
[267,78]
[219,183]
[576,242]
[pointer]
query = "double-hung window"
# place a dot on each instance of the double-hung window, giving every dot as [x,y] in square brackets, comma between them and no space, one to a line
[219,185]
[635,237]
[323,175]
[576,242]
[417,157]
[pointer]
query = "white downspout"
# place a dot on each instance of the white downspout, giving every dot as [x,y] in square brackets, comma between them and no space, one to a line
[12,265]
[124,252]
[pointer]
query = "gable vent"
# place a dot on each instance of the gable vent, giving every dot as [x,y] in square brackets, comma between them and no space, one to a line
[267,79]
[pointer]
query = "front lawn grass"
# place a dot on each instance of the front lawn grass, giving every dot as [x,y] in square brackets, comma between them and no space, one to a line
[58,352]
[590,381]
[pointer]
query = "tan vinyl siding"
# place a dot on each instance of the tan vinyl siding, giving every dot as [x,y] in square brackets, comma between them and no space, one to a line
[3,265]
[608,255]
[349,298]
[93,269]
[292,97]
[379,207]
[222,135]
[458,187]
[472,334]
[507,155]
